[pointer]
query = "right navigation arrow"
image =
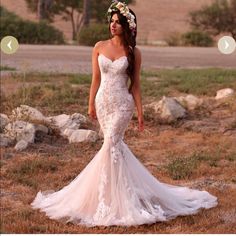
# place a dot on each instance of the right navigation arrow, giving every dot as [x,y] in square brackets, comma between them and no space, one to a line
[226,44]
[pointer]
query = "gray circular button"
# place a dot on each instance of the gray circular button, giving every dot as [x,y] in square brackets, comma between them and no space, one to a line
[226,45]
[9,44]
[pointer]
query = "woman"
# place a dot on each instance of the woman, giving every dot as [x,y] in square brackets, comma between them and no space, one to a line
[115,188]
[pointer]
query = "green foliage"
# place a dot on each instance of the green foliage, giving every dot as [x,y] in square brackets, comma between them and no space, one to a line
[174,39]
[28,32]
[197,38]
[183,167]
[6,68]
[93,33]
[220,17]
[45,8]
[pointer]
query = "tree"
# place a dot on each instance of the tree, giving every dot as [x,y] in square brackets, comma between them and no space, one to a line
[220,17]
[42,7]
[69,10]
[86,12]
[79,12]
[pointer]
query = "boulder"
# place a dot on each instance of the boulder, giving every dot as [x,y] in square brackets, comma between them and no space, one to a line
[224,93]
[190,101]
[82,135]
[21,145]
[6,141]
[169,109]
[64,122]
[25,112]
[21,130]
[4,120]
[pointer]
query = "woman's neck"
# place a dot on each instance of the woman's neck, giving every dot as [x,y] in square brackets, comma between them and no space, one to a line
[117,41]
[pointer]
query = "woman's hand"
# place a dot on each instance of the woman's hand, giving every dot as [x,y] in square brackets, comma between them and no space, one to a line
[92,112]
[140,123]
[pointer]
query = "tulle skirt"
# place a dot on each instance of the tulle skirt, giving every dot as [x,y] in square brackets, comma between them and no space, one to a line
[116,189]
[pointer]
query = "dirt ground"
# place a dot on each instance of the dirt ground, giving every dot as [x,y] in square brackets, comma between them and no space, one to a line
[60,162]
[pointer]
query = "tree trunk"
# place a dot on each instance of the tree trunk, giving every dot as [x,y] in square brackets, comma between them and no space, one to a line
[86,12]
[43,9]
[40,10]
[73,25]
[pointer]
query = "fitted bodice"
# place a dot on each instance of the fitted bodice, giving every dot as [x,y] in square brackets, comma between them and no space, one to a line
[113,73]
[114,103]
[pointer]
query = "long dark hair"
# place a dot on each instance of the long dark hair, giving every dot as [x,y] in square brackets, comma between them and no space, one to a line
[129,41]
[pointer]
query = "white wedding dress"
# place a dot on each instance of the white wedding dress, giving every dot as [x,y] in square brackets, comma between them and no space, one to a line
[115,188]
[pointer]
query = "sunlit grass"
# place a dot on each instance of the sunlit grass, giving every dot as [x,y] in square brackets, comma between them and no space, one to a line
[194,81]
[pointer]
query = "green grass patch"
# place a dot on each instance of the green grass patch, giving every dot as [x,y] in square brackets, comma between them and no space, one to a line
[51,97]
[182,167]
[41,77]
[23,172]
[7,68]
[55,93]
[194,81]
[53,77]
[80,79]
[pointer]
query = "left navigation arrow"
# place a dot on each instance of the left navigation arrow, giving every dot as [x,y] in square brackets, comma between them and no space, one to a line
[9,44]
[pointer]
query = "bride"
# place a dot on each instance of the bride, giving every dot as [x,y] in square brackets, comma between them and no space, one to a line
[115,188]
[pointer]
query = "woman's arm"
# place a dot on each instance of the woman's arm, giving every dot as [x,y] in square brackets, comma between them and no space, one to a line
[136,90]
[96,78]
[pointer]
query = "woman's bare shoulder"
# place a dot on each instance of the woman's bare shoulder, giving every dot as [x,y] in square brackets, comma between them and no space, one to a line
[137,51]
[101,44]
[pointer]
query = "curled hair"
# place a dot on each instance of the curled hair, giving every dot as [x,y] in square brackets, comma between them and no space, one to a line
[129,40]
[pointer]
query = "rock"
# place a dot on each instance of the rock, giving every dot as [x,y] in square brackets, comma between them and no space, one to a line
[21,130]
[42,128]
[169,109]
[25,112]
[64,121]
[82,135]
[224,93]
[79,118]
[4,120]
[67,132]
[190,101]
[5,141]
[21,145]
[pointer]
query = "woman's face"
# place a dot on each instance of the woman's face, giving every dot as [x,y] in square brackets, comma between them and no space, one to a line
[115,26]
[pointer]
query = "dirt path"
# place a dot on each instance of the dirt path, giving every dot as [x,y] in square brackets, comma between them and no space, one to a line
[77,59]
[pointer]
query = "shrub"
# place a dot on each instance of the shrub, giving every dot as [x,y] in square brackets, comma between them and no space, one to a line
[28,32]
[197,38]
[174,39]
[93,33]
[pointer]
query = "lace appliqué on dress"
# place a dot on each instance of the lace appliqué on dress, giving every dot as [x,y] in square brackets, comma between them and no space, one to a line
[102,209]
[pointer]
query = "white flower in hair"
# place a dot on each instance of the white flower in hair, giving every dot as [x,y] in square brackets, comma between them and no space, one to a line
[119,5]
[124,10]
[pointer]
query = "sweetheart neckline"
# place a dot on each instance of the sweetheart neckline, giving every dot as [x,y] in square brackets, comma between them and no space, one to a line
[110,59]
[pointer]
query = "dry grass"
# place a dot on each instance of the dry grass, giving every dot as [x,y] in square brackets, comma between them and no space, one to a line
[172,153]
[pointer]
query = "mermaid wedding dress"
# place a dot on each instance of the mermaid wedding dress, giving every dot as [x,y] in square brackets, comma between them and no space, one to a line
[115,188]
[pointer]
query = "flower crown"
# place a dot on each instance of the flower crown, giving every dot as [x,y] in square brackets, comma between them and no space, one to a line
[124,10]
